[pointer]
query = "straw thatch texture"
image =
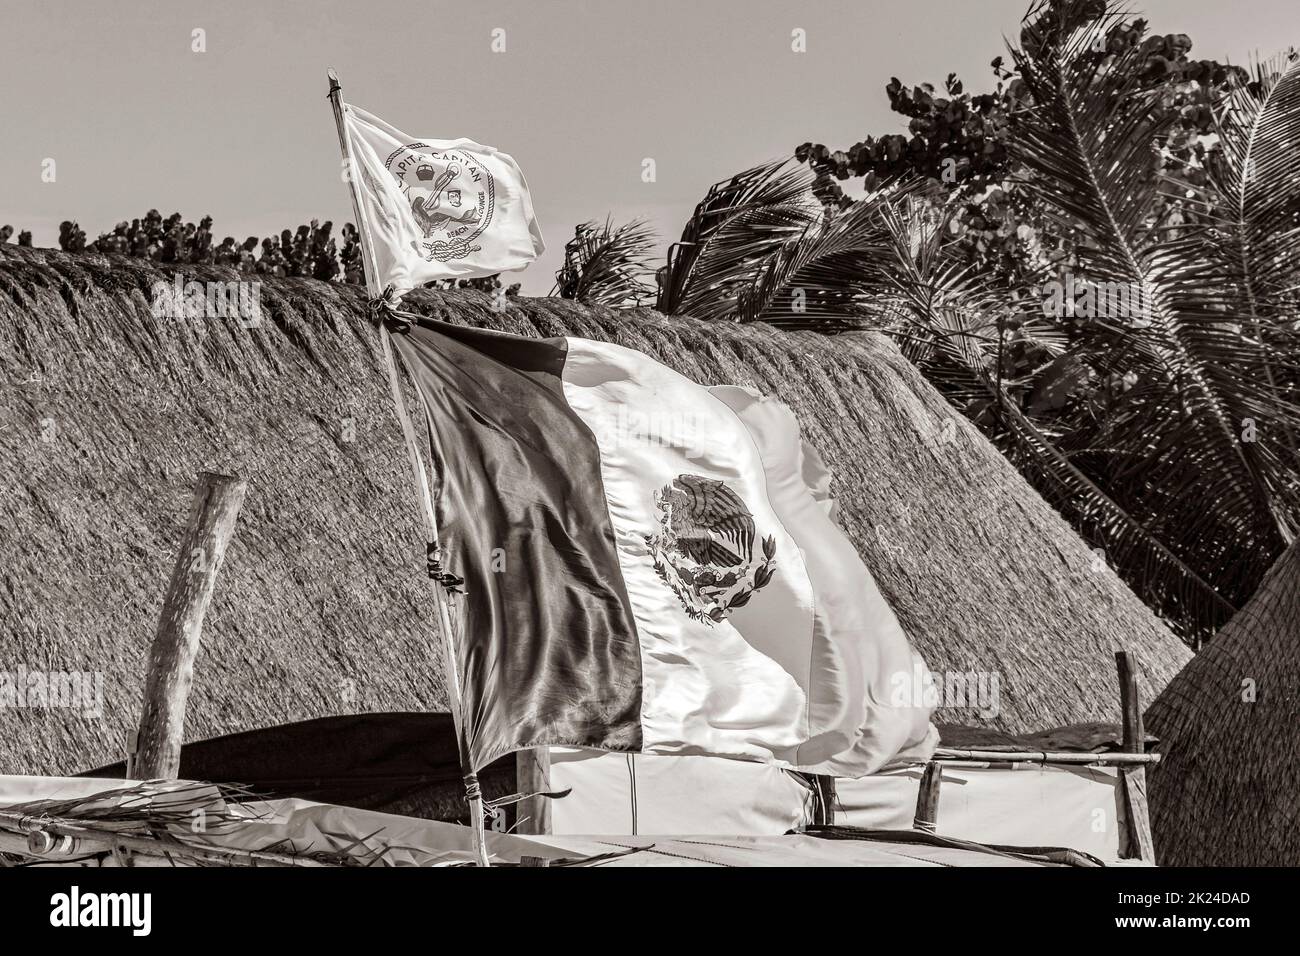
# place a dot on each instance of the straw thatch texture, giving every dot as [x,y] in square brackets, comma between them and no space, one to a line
[1227,790]
[322,606]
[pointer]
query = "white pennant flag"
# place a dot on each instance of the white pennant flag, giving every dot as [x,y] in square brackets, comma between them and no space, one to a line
[438,208]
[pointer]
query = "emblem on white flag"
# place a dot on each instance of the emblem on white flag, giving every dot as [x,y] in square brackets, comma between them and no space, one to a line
[452,197]
[704,550]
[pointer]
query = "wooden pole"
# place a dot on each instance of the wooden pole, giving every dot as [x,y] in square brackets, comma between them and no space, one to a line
[1131,709]
[450,635]
[450,622]
[368,266]
[132,745]
[533,775]
[823,799]
[1135,838]
[926,817]
[175,645]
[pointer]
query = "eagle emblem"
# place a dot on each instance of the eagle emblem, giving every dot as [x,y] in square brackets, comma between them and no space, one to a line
[704,549]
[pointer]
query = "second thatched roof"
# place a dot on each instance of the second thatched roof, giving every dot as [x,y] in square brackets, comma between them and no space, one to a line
[1227,789]
[322,607]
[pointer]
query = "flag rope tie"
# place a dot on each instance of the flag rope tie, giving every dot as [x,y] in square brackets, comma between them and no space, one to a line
[382,312]
[472,791]
[433,558]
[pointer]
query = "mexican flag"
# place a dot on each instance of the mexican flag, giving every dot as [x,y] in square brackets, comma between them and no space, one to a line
[649,564]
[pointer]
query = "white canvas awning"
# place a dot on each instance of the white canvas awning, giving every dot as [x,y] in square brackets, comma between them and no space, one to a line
[1006,804]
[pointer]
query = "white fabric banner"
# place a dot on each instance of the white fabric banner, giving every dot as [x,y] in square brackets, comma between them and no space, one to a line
[438,208]
[1014,805]
[640,793]
[1010,804]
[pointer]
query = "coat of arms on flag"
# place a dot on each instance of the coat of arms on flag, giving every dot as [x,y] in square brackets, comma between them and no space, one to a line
[704,550]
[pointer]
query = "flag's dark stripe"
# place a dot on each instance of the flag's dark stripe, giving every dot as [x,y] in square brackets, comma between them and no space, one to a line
[550,653]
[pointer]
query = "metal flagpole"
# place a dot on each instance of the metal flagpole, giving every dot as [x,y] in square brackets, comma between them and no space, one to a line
[445,616]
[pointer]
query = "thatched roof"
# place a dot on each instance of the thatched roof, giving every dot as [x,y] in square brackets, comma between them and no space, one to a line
[1227,790]
[322,606]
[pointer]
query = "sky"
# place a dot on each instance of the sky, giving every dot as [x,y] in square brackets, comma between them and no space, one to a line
[585,90]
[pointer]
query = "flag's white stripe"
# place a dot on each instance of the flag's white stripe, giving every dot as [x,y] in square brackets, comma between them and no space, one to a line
[736,687]
[861,654]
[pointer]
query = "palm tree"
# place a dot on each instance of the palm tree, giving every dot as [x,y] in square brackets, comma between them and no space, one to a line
[1197,452]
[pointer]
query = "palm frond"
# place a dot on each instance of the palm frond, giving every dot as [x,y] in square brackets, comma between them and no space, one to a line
[735,229]
[1255,192]
[1088,130]
[1246,246]
[609,266]
[823,278]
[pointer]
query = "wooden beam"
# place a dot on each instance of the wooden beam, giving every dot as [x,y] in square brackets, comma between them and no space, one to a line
[1045,757]
[927,798]
[1130,706]
[217,501]
[533,775]
[1136,842]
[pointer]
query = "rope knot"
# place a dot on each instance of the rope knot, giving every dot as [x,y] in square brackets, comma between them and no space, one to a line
[383,312]
[472,791]
[433,564]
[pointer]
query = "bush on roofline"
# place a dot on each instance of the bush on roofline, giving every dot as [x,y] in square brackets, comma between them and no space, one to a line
[311,251]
